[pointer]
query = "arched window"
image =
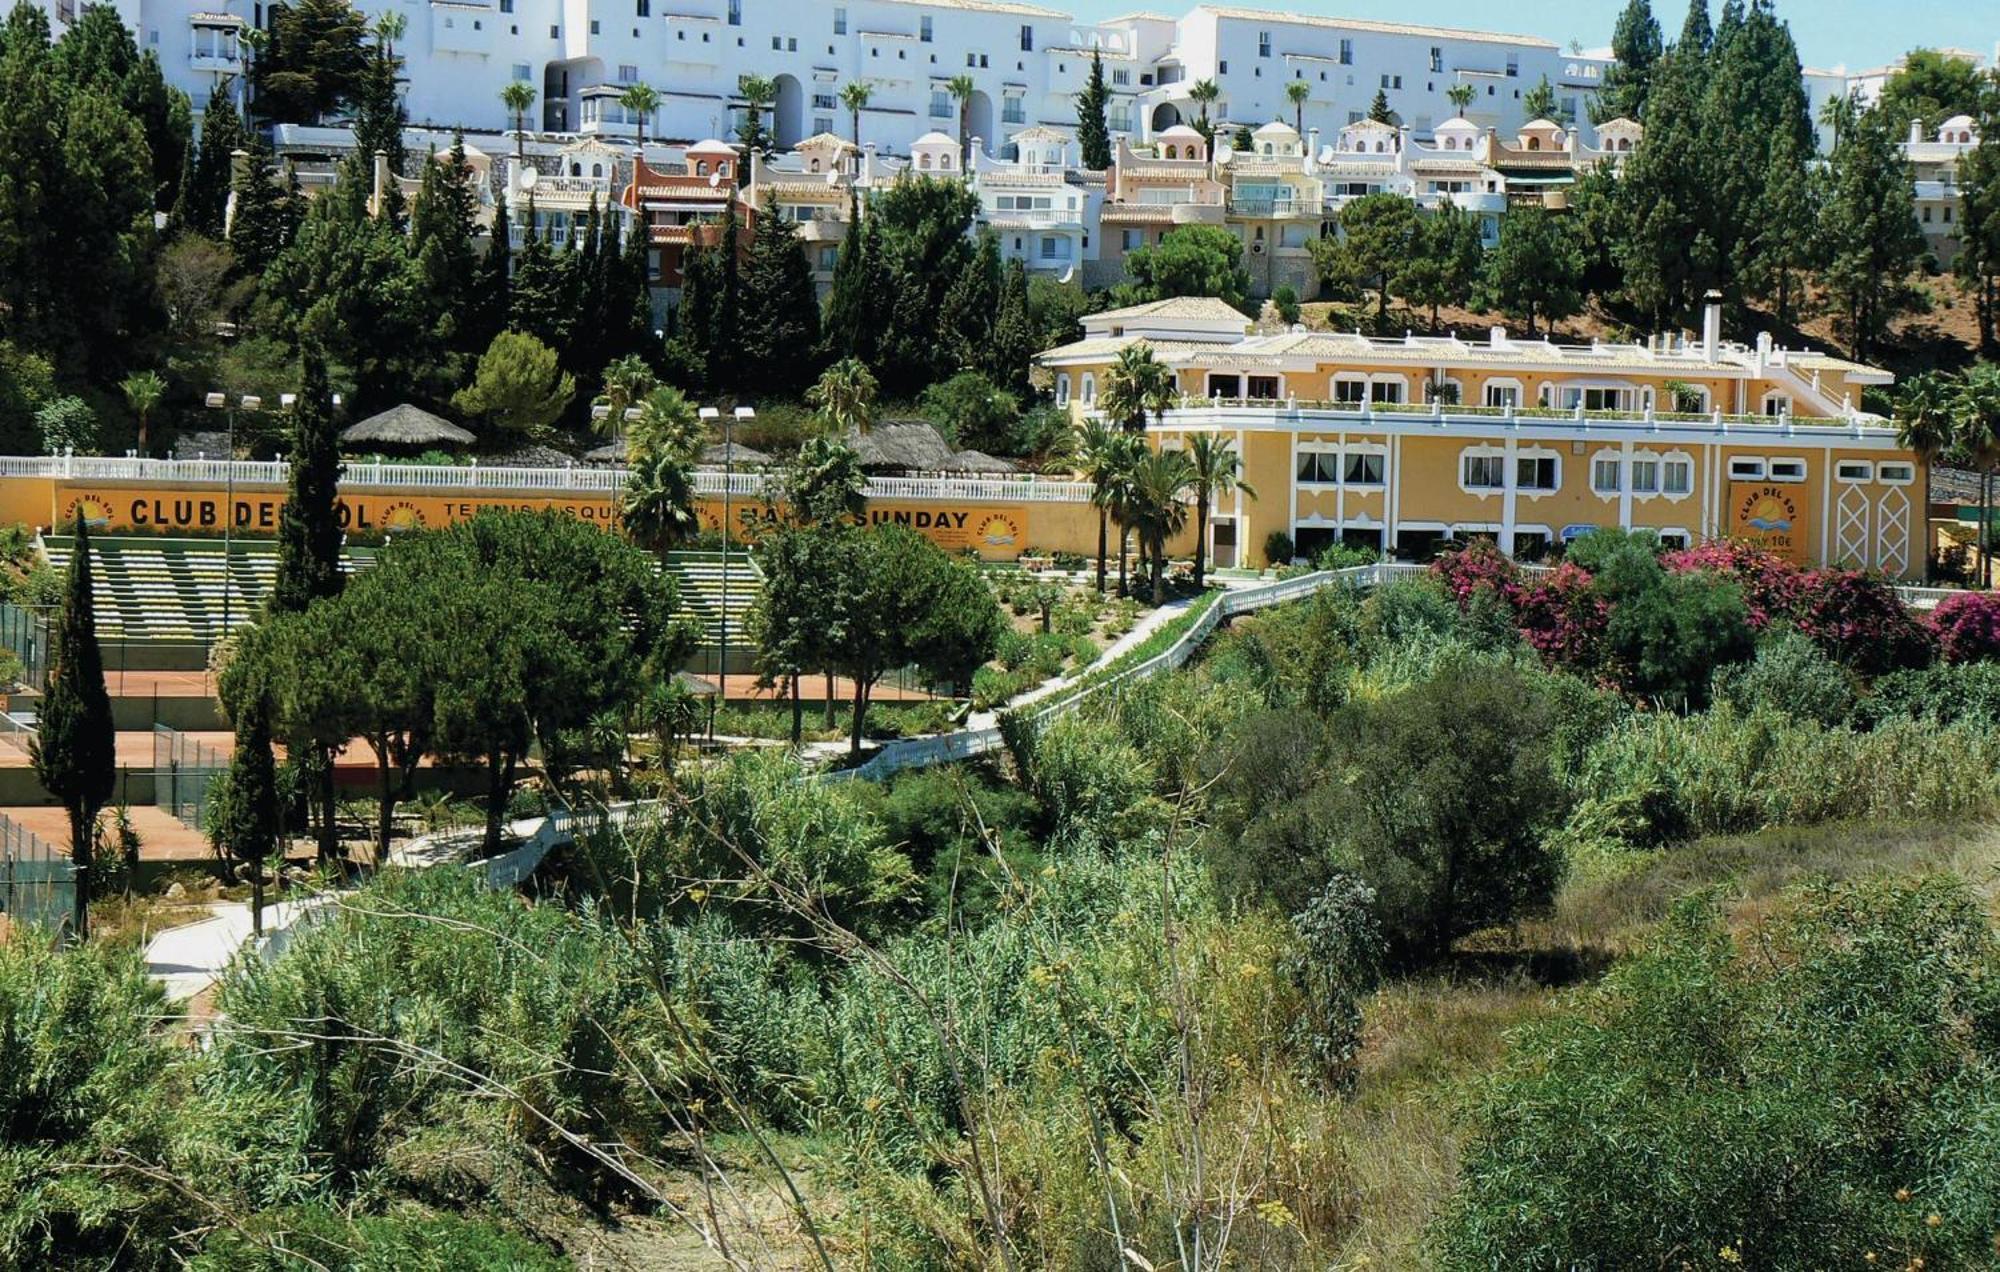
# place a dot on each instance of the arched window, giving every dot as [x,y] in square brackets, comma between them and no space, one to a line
[924,162]
[596,169]
[944,162]
[1089,388]
[815,165]
[1534,143]
[701,167]
[1062,389]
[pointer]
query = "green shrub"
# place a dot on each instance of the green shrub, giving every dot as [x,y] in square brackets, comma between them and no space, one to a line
[1789,675]
[1012,650]
[398,1242]
[1093,787]
[1945,694]
[1286,299]
[1820,1093]
[1667,638]
[1279,548]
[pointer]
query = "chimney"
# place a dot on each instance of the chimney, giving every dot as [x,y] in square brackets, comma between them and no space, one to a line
[1497,336]
[1711,326]
[1312,149]
[977,159]
[1916,132]
[1763,351]
[868,164]
[379,203]
[239,172]
[756,168]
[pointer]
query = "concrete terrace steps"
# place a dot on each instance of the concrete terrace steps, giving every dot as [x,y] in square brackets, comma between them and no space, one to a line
[700,575]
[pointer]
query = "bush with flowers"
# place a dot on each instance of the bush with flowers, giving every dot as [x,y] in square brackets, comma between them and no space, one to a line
[1967,626]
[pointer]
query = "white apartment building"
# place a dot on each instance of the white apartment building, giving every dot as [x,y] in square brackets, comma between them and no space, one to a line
[1934,168]
[1044,210]
[1026,61]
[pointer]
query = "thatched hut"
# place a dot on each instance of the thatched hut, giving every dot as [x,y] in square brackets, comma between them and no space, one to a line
[980,463]
[904,446]
[405,427]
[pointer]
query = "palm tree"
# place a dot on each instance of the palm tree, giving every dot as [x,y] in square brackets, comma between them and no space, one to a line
[845,397]
[143,391]
[669,425]
[1102,454]
[626,381]
[1202,94]
[1158,481]
[1217,473]
[389,28]
[1460,96]
[962,88]
[855,97]
[641,100]
[1137,385]
[1928,423]
[658,508]
[1977,410]
[757,93]
[1297,93]
[517,97]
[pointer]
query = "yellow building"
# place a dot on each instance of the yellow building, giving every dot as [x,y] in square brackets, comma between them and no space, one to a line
[1405,443]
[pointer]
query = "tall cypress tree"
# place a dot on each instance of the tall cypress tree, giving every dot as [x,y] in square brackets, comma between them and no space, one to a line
[75,745]
[1091,131]
[493,303]
[780,307]
[1014,343]
[844,327]
[1869,224]
[441,230]
[309,523]
[729,312]
[31,210]
[214,169]
[965,322]
[635,274]
[538,303]
[1697,36]
[265,219]
[251,819]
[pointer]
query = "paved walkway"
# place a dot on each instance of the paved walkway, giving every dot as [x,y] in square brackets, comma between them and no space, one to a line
[186,960]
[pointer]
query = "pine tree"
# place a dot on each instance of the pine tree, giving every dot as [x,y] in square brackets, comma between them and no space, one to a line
[1015,341]
[1978,263]
[265,220]
[378,125]
[965,323]
[1092,134]
[1636,45]
[780,307]
[493,302]
[539,301]
[75,745]
[1668,248]
[1731,22]
[1535,272]
[441,233]
[1749,109]
[316,59]
[1869,224]
[215,169]
[31,210]
[1697,36]
[635,281]
[1783,238]
[309,523]
[1379,109]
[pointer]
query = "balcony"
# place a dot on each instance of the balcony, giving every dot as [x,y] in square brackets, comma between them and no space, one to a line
[1036,219]
[1276,207]
[213,43]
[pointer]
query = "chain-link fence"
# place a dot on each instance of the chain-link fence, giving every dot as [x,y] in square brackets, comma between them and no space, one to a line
[37,883]
[183,771]
[26,632]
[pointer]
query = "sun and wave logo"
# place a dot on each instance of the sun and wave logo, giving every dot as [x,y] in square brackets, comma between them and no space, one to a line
[999,531]
[96,513]
[1769,513]
[399,517]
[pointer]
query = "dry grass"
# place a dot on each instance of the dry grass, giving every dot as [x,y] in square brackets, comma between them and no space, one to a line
[1426,1036]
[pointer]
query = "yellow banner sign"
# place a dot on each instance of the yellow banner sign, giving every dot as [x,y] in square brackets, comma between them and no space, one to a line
[997,531]
[1770,516]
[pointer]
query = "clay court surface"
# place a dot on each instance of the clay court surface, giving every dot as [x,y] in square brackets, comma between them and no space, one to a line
[161,835]
[135,748]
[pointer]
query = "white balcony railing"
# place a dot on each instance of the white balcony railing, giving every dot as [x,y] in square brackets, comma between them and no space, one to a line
[475,477]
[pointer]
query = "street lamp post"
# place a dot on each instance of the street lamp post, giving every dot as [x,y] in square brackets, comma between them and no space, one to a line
[220,401]
[602,411]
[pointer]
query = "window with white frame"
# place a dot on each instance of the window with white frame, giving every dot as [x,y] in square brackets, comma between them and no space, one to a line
[1674,538]
[1746,468]
[1503,393]
[1261,387]
[1605,475]
[1013,109]
[1484,471]
[1787,470]
[1089,388]
[1676,475]
[1350,391]
[940,103]
[1363,468]
[1854,471]
[1388,390]
[1776,404]
[1319,468]
[1645,476]
[1598,397]
[1896,474]
[1537,472]
[1062,389]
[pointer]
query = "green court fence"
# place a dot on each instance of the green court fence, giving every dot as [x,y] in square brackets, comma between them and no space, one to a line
[26,632]
[37,883]
[183,772]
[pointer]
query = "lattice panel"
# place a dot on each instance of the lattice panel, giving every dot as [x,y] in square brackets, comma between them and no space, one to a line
[1850,528]
[1892,533]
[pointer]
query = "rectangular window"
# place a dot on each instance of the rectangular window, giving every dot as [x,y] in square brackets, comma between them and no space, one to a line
[1263,44]
[1645,477]
[521,71]
[1854,470]
[1013,110]
[1788,470]
[1027,38]
[506,6]
[1437,60]
[1678,477]
[1316,468]
[840,20]
[1513,66]
[594,27]
[1121,76]
[1503,395]
[1485,472]
[940,103]
[1390,391]
[644,8]
[628,74]
[1746,470]
[1264,387]
[1604,476]
[1897,474]
[1363,469]
[1535,472]
[1347,52]
[735,12]
[1134,239]
[825,101]
[924,29]
[1350,392]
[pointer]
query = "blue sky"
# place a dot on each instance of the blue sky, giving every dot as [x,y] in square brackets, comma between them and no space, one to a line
[1860,33]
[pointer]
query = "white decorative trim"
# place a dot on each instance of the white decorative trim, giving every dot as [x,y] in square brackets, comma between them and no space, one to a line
[1892,533]
[1850,545]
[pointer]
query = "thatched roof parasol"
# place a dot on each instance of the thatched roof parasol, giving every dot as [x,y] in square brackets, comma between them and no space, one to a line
[735,453]
[406,425]
[972,461]
[912,446]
